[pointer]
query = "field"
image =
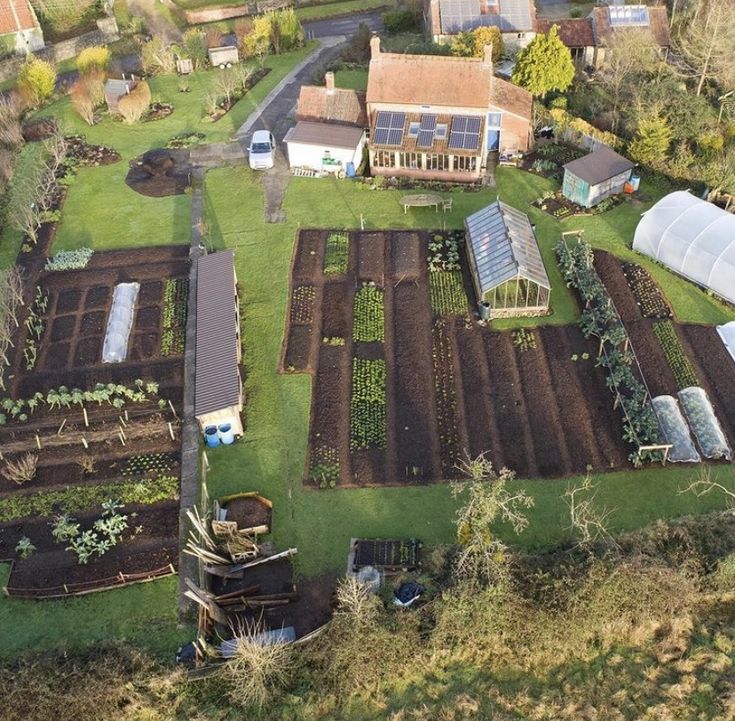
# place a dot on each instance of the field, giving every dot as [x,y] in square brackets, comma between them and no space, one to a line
[105,461]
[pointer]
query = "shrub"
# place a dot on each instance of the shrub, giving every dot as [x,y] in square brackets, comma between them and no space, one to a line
[213,37]
[400,21]
[196,47]
[22,470]
[157,57]
[133,105]
[94,59]
[82,102]
[36,80]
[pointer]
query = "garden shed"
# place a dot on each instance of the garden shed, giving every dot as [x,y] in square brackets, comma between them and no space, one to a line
[693,238]
[115,88]
[223,56]
[596,176]
[217,384]
[505,261]
[324,147]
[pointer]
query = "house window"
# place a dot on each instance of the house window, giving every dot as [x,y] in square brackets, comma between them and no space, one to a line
[410,160]
[385,159]
[465,163]
[441,131]
[494,120]
[413,130]
[437,162]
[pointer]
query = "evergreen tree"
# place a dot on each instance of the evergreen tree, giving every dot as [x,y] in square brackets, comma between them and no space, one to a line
[651,143]
[545,64]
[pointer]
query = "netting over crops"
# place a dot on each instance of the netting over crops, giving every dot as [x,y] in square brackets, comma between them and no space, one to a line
[674,430]
[119,322]
[692,237]
[704,423]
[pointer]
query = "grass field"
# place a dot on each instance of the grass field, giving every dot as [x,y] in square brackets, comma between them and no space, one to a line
[352,79]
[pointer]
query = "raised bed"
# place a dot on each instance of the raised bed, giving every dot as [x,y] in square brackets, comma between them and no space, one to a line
[387,554]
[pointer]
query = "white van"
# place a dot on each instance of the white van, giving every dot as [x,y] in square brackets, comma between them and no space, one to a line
[262,150]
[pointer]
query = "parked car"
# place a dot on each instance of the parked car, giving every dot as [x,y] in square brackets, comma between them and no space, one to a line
[262,150]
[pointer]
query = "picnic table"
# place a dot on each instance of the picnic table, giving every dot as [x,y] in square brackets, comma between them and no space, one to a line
[422,200]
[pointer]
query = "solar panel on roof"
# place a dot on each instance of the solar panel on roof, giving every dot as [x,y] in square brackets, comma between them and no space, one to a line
[426,139]
[465,133]
[389,128]
[428,122]
[381,136]
[395,137]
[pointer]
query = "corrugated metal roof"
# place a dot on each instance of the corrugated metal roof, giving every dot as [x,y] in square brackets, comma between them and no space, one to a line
[217,376]
[327,134]
[463,15]
[503,245]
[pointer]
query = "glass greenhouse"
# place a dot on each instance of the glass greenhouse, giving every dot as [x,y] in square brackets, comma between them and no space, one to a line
[692,237]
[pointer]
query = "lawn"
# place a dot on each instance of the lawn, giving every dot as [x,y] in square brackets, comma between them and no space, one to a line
[320,11]
[352,79]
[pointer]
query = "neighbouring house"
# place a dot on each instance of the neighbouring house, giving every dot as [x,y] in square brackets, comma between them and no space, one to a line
[223,56]
[505,263]
[329,104]
[588,38]
[115,88]
[438,117]
[516,19]
[324,147]
[693,238]
[218,394]
[20,31]
[596,176]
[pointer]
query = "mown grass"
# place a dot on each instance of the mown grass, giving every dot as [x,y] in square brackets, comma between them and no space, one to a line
[351,79]
[321,11]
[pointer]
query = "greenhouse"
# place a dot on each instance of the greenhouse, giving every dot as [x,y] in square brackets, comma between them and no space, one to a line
[506,265]
[693,238]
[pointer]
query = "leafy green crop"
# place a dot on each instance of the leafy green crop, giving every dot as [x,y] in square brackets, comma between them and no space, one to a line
[368,323]
[367,405]
[336,257]
[447,292]
[675,356]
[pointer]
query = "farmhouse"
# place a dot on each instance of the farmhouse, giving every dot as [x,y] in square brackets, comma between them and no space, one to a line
[218,387]
[438,117]
[596,176]
[516,19]
[20,31]
[324,147]
[115,88]
[507,269]
[693,238]
[329,104]
[588,38]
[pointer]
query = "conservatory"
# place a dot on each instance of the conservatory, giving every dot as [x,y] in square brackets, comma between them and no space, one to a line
[693,238]
[506,265]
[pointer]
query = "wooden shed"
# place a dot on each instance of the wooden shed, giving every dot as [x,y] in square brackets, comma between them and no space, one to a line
[115,88]
[596,176]
[223,56]
[505,261]
[218,393]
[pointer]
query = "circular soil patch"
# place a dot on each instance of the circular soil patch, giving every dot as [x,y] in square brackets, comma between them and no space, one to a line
[160,172]
[248,512]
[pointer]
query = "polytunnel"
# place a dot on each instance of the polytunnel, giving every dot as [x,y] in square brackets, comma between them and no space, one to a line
[119,322]
[692,237]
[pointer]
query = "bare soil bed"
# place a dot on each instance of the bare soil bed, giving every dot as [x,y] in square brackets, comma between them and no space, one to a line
[452,385]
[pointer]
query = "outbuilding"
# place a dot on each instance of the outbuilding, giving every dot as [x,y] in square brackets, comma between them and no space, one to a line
[596,176]
[115,88]
[505,262]
[224,55]
[693,238]
[324,147]
[218,395]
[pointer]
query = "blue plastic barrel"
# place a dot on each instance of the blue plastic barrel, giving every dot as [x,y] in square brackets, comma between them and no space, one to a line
[226,434]
[635,181]
[350,170]
[211,437]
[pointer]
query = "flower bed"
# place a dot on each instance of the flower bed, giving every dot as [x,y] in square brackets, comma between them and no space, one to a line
[559,206]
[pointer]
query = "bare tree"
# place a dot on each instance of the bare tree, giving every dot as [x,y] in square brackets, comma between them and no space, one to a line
[706,41]
[487,500]
[587,521]
[356,600]
[705,483]
[11,134]
[227,83]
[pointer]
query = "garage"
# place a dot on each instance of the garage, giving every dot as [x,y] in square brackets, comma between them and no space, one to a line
[324,147]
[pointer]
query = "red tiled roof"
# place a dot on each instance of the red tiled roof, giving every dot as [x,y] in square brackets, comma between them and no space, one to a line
[335,106]
[442,81]
[16,15]
[658,25]
[573,32]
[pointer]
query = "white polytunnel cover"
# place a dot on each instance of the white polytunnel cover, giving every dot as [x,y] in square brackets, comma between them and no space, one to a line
[703,422]
[674,430]
[727,333]
[119,322]
[692,237]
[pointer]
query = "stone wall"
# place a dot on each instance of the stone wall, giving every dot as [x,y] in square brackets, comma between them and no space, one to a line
[194,17]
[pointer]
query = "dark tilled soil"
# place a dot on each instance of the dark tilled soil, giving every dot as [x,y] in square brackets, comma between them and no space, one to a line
[160,172]
[298,353]
[337,309]
[248,512]
[371,254]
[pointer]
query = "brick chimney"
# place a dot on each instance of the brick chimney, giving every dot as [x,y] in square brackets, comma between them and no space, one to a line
[487,55]
[329,82]
[374,46]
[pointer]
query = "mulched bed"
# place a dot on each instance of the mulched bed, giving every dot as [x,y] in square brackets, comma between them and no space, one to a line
[649,297]
[158,111]
[160,172]
[451,384]
[87,154]
[224,107]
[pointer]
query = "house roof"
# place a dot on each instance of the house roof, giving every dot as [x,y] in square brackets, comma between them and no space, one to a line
[511,16]
[337,105]
[443,81]
[16,15]
[115,87]
[573,32]
[325,134]
[658,25]
[503,246]
[217,376]
[600,165]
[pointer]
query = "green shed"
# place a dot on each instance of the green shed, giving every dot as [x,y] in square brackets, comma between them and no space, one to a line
[596,176]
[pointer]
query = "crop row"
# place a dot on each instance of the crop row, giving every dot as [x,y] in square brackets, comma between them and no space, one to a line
[367,404]
[336,256]
[444,250]
[368,318]
[447,292]
[175,299]
[446,399]
[680,365]
[302,305]
[648,295]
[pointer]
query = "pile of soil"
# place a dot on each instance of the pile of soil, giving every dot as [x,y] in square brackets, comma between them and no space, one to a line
[160,172]
[158,111]
[86,154]
[39,129]
[248,512]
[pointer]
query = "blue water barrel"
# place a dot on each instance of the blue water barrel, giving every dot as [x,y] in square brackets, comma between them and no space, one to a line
[211,437]
[350,170]
[226,434]
[635,181]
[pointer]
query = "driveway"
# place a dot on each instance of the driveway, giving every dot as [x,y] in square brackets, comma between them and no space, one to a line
[346,25]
